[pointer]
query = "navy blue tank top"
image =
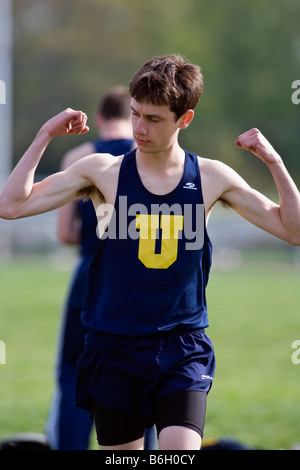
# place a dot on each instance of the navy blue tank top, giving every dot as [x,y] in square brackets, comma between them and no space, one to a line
[86,209]
[150,269]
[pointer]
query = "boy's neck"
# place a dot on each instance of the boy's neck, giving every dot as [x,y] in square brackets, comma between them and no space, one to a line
[160,161]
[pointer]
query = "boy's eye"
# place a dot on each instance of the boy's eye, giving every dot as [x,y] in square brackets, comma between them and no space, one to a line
[149,118]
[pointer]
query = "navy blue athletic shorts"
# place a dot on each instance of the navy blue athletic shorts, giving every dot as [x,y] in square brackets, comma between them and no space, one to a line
[129,374]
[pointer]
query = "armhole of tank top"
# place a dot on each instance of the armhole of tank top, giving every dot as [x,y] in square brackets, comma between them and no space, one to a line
[124,160]
[199,177]
[202,198]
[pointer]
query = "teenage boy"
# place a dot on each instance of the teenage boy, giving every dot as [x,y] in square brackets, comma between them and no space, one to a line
[147,357]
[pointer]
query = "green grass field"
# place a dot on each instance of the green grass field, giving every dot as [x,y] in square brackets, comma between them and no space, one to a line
[254,318]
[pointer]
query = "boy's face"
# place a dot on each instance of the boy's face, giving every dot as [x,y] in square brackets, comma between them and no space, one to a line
[155,127]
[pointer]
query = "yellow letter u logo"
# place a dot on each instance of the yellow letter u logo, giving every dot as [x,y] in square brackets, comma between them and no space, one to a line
[148,225]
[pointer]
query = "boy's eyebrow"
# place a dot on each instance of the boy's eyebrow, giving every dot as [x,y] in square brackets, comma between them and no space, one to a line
[147,115]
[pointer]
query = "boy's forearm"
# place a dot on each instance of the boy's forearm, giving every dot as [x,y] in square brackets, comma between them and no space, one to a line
[26,168]
[20,183]
[289,197]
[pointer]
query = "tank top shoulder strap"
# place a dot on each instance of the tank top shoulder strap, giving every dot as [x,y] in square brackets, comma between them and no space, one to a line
[193,175]
[127,172]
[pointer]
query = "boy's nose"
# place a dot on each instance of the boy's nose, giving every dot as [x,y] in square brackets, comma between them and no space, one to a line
[140,127]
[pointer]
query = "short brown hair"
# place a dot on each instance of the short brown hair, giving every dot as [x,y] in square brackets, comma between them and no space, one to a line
[115,104]
[168,80]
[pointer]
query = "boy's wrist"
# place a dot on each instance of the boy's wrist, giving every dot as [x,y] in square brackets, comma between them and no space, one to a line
[45,134]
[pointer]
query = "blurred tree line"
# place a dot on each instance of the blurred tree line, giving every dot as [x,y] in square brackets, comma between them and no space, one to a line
[68,53]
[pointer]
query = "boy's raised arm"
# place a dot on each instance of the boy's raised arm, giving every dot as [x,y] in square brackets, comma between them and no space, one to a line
[21,197]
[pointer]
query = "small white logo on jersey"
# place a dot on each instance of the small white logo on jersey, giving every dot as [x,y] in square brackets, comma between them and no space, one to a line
[189,186]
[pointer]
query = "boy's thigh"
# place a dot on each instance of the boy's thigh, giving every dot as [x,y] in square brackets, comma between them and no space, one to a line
[182,410]
[115,428]
[186,409]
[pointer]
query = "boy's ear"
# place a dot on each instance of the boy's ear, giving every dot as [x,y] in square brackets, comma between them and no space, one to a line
[186,119]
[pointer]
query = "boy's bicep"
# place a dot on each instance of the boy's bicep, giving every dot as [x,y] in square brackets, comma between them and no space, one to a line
[255,208]
[53,192]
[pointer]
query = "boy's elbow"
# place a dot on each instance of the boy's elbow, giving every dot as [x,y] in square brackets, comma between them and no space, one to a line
[7,212]
[295,241]
[8,215]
